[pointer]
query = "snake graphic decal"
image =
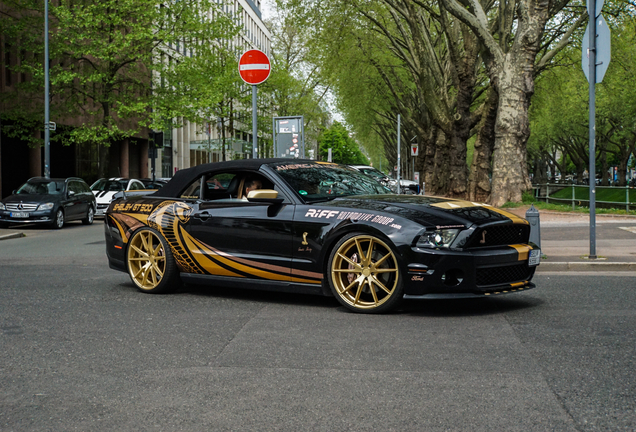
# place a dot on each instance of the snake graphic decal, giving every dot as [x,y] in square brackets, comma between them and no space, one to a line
[193,256]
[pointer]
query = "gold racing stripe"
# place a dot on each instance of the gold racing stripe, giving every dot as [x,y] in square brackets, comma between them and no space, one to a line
[143,218]
[199,253]
[121,229]
[246,266]
[454,204]
[513,217]
[522,250]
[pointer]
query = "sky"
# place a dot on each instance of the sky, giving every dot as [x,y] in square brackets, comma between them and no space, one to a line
[266,8]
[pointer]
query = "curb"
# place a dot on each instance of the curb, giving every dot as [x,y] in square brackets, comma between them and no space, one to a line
[587,266]
[11,236]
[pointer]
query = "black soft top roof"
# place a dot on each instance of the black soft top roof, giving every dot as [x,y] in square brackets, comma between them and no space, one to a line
[184,177]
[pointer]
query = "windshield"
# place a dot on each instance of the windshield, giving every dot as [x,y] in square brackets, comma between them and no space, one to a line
[323,181]
[109,185]
[372,172]
[42,187]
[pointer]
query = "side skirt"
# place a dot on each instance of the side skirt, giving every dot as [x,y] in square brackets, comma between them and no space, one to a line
[258,284]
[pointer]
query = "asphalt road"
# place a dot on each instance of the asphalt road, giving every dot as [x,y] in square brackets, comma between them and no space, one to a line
[81,349]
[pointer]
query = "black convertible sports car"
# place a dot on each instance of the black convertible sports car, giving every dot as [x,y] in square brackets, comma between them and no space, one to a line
[315,227]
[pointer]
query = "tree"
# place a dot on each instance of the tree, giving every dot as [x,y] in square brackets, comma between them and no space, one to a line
[103,57]
[295,87]
[511,61]
[344,149]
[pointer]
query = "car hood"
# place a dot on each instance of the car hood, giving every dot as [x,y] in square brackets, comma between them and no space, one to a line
[429,211]
[31,198]
[104,197]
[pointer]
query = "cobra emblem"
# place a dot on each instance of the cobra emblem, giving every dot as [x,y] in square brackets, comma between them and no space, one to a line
[167,219]
[483,237]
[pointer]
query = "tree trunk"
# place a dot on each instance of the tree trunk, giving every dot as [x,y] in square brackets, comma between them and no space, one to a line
[430,180]
[441,180]
[479,179]
[512,129]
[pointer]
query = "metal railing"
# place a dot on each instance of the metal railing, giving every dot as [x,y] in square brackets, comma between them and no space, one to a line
[545,192]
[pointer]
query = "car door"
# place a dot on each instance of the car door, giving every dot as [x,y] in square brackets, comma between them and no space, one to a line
[242,238]
[75,206]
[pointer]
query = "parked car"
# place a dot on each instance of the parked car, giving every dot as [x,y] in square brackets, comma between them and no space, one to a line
[377,175]
[409,187]
[51,201]
[157,183]
[316,227]
[104,190]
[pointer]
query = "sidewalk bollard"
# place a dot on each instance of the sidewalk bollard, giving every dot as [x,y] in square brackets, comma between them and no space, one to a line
[532,215]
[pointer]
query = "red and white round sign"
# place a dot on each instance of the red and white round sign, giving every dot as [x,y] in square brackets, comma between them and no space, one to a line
[254,67]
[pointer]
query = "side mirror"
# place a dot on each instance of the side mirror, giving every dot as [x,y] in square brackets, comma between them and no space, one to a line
[264,195]
[71,193]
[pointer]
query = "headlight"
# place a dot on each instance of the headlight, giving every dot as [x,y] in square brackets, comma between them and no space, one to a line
[437,238]
[2,207]
[47,206]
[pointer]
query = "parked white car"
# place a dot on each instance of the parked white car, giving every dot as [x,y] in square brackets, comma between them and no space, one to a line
[377,175]
[104,190]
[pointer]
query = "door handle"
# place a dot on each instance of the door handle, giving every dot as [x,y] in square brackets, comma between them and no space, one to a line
[205,215]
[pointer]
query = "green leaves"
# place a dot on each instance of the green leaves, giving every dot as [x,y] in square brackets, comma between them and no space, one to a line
[107,58]
[343,148]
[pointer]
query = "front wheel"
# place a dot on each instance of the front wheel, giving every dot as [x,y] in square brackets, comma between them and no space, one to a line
[150,263]
[364,274]
[58,222]
[90,216]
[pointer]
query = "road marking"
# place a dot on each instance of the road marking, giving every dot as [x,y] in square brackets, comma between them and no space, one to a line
[630,229]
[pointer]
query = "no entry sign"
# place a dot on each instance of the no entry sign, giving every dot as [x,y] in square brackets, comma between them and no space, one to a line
[254,67]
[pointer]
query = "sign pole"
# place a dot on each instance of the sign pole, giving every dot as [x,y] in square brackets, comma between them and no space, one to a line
[398,154]
[254,124]
[592,126]
[47,133]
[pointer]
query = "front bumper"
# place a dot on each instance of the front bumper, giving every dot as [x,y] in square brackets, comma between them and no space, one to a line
[466,274]
[38,216]
[100,210]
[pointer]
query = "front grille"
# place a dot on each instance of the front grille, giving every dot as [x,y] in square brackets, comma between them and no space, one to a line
[21,207]
[503,274]
[102,206]
[499,235]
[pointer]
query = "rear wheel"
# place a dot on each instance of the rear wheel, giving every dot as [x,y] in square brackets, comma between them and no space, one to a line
[150,263]
[90,216]
[58,221]
[364,274]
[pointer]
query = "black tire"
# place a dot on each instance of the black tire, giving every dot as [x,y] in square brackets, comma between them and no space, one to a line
[150,263]
[364,274]
[58,220]
[90,216]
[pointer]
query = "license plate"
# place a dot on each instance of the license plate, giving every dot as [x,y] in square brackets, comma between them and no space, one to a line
[21,215]
[535,257]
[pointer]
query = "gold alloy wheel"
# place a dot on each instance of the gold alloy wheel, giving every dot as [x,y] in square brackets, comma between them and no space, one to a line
[364,272]
[146,259]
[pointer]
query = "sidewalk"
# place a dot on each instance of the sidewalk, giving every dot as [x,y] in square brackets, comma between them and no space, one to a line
[564,242]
